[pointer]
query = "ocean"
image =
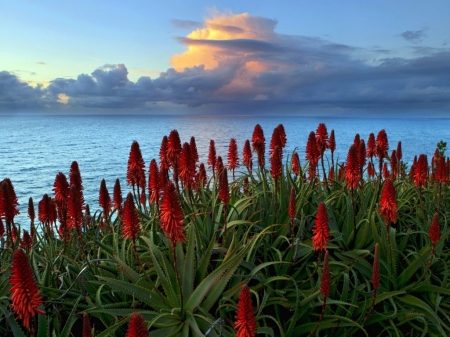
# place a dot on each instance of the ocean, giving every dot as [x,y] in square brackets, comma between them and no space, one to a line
[34,148]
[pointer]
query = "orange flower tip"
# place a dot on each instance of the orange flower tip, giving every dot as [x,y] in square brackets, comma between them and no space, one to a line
[245,324]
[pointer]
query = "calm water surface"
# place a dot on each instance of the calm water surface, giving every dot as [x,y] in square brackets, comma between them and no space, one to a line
[33,149]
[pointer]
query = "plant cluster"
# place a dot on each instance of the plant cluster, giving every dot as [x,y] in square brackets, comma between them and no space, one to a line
[320,249]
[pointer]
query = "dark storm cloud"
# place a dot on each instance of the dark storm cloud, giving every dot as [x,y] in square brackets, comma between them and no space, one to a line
[15,94]
[414,36]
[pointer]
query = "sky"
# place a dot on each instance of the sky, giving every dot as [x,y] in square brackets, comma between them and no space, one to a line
[235,57]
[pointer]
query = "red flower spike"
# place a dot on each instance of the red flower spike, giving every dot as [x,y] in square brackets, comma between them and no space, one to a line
[371,146]
[104,200]
[164,164]
[399,152]
[435,230]
[394,163]
[75,211]
[325,286]
[173,148]
[282,134]
[292,204]
[382,145]
[130,220]
[376,268]
[245,324]
[26,240]
[31,213]
[8,201]
[331,174]
[259,144]
[295,164]
[276,163]
[212,158]
[321,230]
[322,139]
[441,171]
[332,142]
[421,171]
[247,155]
[136,167]
[25,295]
[388,203]
[136,327]
[233,157]
[153,182]
[361,155]
[44,209]
[171,216]
[274,141]
[187,167]
[193,148]
[352,171]
[117,197]
[201,176]
[357,140]
[61,188]
[412,170]
[75,179]
[224,192]
[312,152]
[87,331]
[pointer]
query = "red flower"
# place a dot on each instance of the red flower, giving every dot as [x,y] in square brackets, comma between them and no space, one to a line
[274,141]
[312,153]
[164,164]
[31,213]
[421,171]
[412,170]
[104,200]
[87,331]
[75,211]
[136,327]
[61,188]
[361,155]
[292,210]
[193,148]
[325,286]
[117,197]
[385,171]
[44,205]
[130,220]
[352,171]
[25,298]
[357,140]
[245,324]
[332,142]
[276,163]
[26,240]
[322,140]
[171,216]
[201,176]
[388,203]
[8,201]
[259,144]
[399,152]
[75,179]
[247,155]
[187,167]
[394,168]
[435,230]
[376,268]
[233,157]
[331,174]
[321,230]
[173,148]
[136,167]
[382,145]
[441,171]
[371,146]
[282,134]
[153,182]
[370,170]
[212,158]
[224,192]
[219,164]
[295,164]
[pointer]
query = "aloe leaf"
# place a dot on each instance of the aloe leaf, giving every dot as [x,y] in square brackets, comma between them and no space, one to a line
[110,331]
[70,320]
[419,261]
[16,330]
[189,262]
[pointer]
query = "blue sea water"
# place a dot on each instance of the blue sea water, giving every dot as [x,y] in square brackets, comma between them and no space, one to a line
[33,149]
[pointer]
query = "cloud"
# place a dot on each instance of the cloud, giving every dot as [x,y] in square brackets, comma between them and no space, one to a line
[414,36]
[186,24]
[240,63]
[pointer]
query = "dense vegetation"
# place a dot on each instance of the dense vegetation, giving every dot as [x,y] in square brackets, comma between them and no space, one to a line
[357,249]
